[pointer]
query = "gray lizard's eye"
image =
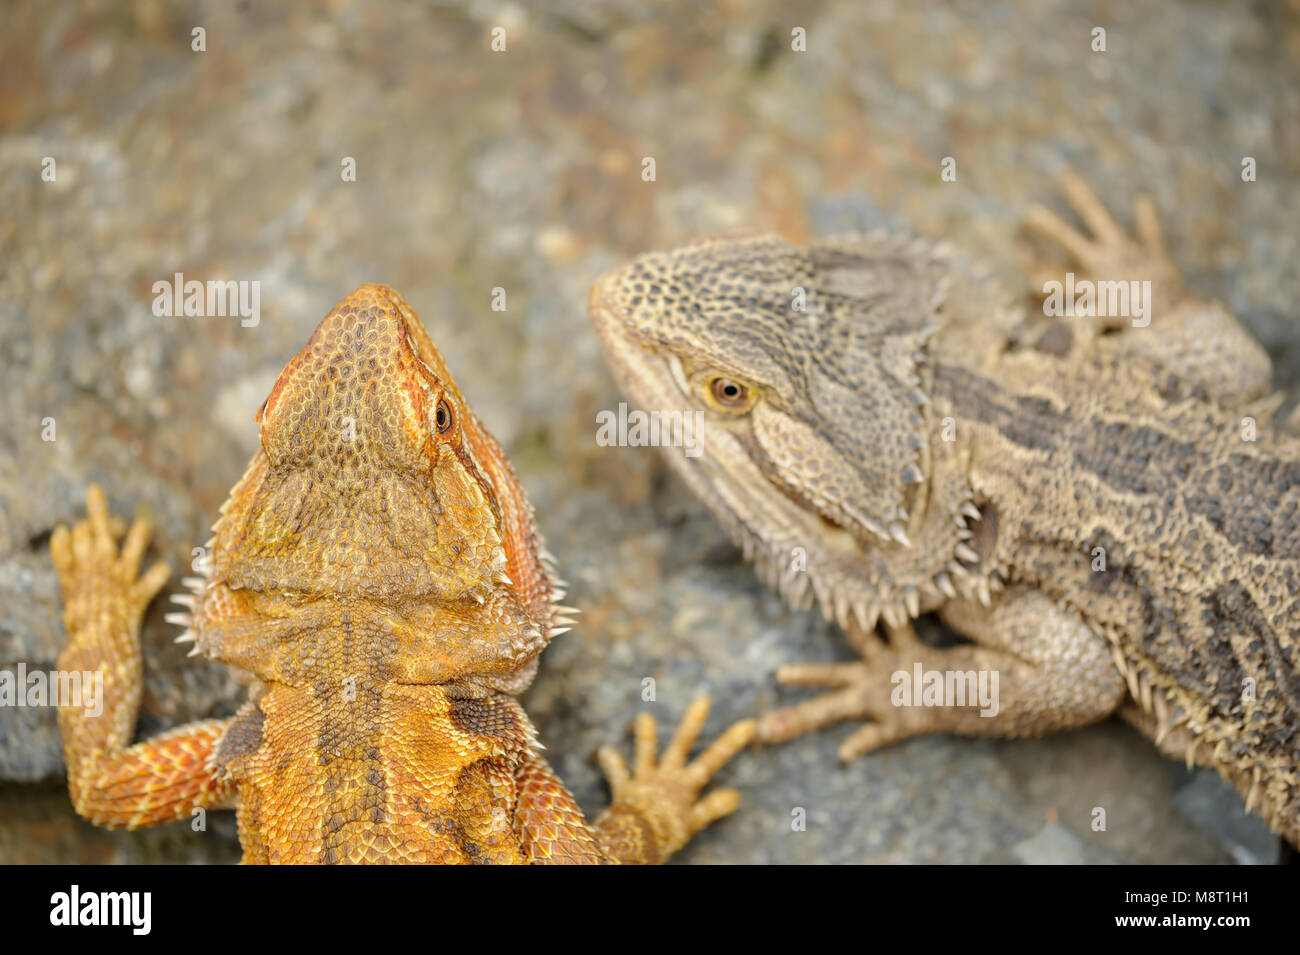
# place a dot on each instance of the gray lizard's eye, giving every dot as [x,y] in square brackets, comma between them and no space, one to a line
[723,393]
[728,391]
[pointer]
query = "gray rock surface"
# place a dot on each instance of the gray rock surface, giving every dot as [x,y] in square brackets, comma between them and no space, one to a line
[521,170]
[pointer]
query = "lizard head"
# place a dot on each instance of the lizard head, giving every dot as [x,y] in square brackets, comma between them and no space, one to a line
[805,366]
[378,497]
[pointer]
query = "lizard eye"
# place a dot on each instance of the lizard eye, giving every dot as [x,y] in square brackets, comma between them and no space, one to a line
[728,394]
[443,419]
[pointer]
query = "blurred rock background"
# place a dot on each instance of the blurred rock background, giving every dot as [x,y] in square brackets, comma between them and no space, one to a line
[521,170]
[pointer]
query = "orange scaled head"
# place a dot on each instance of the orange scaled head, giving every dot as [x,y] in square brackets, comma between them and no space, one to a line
[377,496]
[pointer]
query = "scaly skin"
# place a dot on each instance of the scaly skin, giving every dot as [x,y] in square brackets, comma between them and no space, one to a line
[1080,499]
[378,575]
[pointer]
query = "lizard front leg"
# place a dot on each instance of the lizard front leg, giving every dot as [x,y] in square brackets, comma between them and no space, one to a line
[113,784]
[1053,673]
[1197,338]
[656,806]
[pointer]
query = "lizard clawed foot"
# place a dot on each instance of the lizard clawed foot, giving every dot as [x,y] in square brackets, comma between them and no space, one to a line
[99,582]
[857,690]
[667,791]
[1108,253]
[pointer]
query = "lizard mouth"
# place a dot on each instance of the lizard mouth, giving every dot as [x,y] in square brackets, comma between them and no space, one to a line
[831,524]
[850,531]
[855,536]
[849,540]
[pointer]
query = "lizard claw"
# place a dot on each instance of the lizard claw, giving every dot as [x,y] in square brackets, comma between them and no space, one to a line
[667,790]
[860,688]
[855,690]
[1106,251]
[848,685]
[99,581]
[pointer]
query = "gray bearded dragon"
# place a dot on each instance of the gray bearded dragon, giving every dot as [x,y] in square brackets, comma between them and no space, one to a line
[1103,511]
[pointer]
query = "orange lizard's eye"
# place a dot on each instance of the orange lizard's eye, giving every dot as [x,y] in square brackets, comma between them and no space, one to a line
[729,395]
[443,419]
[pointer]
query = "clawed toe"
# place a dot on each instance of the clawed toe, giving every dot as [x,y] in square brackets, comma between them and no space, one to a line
[671,778]
[856,690]
[88,560]
[1106,247]
[851,695]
